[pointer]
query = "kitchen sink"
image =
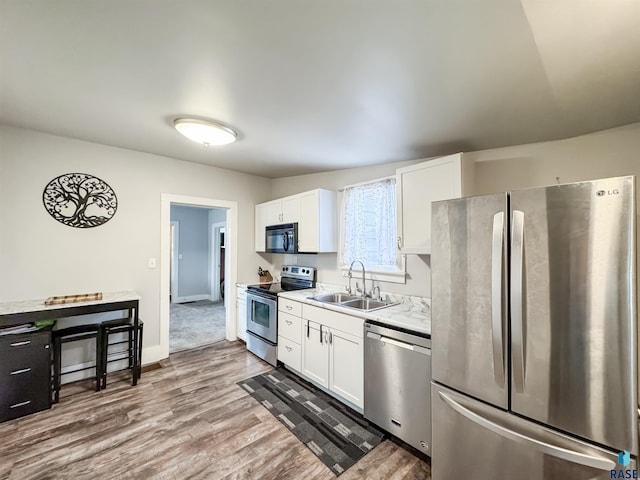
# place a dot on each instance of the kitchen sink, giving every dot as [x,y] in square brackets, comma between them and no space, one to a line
[351,301]
[334,298]
[365,304]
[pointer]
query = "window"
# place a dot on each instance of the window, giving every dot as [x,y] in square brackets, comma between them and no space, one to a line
[369,225]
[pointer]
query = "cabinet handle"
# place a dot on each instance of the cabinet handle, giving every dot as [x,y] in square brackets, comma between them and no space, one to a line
[289,322]
[399,243]
[289,307]
[21,404]
[307,328]
[20,344]
[288,348]
[18,372]
[320,333]
[330,338]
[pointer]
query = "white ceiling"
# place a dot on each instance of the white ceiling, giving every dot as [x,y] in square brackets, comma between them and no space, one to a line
[320,85]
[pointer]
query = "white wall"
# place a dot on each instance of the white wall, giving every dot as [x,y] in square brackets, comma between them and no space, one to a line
[608,153]
[193,252]
[40,257]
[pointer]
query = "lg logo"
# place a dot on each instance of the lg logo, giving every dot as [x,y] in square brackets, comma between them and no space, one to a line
[602,193]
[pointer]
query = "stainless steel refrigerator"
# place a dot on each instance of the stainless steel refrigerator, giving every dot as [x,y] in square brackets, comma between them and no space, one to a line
[534,333]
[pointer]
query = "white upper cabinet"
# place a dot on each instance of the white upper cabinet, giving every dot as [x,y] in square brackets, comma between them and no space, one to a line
[318,223]
[316,213]
[290,209]
[261,215]
[419,185]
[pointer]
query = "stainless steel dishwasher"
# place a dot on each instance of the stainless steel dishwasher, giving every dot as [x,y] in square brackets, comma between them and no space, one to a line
[397,383]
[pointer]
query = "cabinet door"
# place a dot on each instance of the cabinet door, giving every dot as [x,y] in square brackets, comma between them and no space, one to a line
[308,225]
[290,209]
[346,362]
[274,212]
[417,186]
[241,307]
[315,353]
[260,224]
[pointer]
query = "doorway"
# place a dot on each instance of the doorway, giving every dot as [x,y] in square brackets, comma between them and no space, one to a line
[229,266]
[197,312]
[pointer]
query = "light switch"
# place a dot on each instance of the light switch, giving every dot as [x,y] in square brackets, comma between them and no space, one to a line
[152,263]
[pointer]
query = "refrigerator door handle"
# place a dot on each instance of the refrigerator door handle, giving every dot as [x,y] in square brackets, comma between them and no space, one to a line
[517,293]
[497,272]
[542,446]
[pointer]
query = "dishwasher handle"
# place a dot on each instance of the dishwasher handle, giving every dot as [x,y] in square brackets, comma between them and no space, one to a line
[398,343]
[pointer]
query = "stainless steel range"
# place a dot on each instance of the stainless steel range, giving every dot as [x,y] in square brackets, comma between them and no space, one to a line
[262,309]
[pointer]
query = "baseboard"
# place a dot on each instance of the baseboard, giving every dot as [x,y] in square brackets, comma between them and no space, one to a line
[150,367]
[192,298]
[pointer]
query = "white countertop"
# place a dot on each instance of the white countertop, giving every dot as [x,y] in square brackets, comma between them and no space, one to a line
[412,314]
[23,306]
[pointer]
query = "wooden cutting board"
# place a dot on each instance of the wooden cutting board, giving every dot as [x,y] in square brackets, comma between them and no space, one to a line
[82,297]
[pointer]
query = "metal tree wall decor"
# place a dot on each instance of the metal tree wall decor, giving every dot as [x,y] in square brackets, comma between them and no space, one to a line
[80,200]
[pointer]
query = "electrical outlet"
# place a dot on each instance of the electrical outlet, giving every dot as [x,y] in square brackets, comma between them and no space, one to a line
[152,263]
[295,259]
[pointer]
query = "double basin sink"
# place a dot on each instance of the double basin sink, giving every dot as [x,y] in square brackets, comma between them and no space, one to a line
[352,301]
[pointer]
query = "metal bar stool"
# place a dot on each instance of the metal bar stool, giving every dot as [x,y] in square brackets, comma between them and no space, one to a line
[132,352]
[74,334]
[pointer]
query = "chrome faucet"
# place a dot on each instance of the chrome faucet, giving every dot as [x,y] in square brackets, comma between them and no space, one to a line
[376,297]
[350,274]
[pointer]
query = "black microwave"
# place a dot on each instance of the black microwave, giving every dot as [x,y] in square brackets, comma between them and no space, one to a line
[282,238]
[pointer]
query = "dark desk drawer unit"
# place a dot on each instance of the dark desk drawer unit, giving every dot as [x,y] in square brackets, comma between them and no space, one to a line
[25,374]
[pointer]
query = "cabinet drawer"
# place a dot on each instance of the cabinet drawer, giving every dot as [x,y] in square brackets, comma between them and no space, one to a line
[336,320]
[11,344]
[19,352]
[290,306]
[290,327]
[25,374]
[289,353]
[24,391]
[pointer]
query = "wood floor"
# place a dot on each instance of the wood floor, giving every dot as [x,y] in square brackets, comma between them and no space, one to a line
[187,420]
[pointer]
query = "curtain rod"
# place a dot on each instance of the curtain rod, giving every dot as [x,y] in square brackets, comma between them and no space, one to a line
[366,183]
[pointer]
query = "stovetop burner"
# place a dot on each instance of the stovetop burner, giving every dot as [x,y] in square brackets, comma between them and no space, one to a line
[293,278]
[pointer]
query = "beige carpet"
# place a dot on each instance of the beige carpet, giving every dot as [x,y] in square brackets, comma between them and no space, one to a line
[195,324]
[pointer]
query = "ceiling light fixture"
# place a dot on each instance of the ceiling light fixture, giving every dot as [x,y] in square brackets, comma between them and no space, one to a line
[205,132]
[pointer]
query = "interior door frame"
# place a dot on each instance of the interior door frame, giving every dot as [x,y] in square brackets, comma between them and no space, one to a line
[174,259]
[215,260]
[231,265]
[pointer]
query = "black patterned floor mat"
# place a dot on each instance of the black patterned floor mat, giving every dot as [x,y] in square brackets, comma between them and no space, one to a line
[336,434]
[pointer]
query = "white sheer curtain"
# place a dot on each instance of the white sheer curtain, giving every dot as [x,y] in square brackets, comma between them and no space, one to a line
[369,224]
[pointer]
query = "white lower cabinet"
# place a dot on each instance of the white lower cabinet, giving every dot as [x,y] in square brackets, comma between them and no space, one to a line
[315,354]
[346,366]
[331,356]
[290,333]
[289,353]
[241,312]
[323,346]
